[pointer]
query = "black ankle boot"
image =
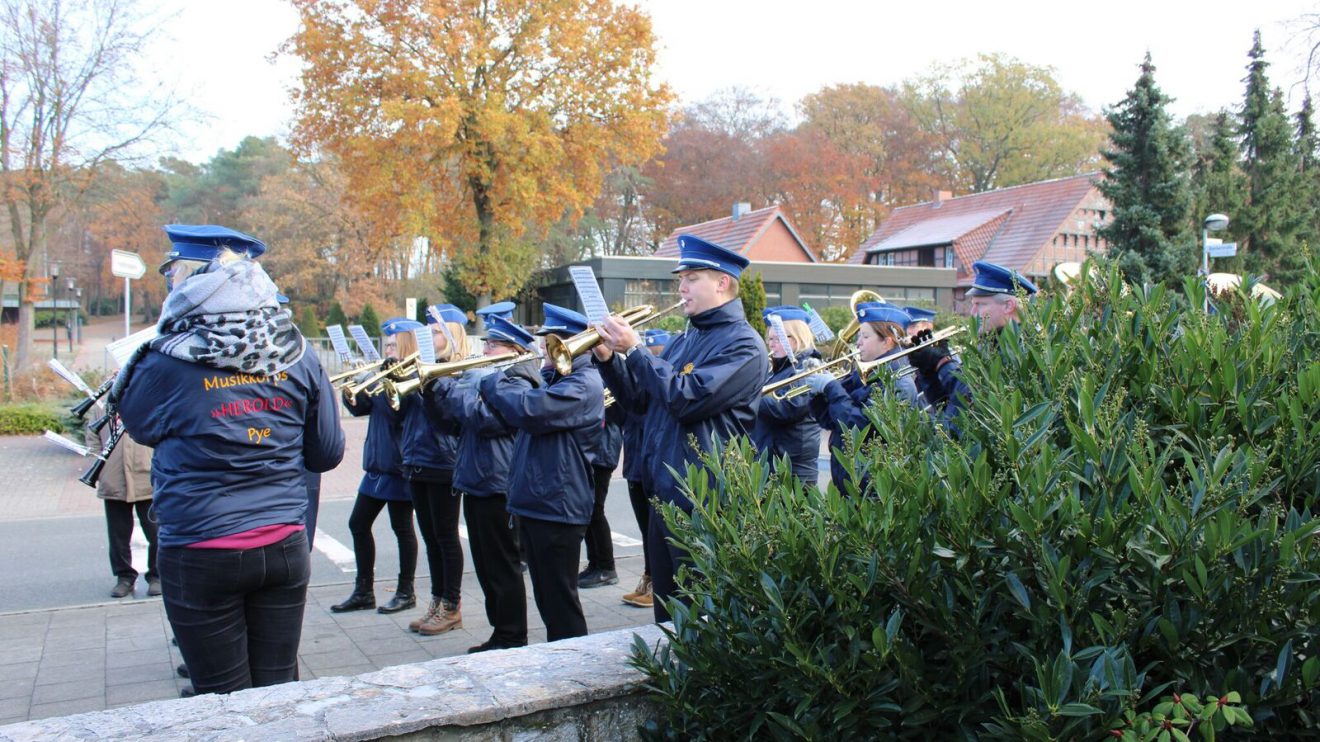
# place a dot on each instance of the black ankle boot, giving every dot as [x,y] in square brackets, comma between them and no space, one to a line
[404,598]
[361,599]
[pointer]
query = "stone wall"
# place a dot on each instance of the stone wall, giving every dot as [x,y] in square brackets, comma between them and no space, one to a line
[576,689]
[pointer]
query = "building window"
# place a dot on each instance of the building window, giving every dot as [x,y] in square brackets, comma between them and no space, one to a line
[774,293]
[657,291]
[949,258]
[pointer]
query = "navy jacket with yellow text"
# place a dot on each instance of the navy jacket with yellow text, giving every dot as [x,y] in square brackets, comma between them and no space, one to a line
[706,384]
[232,449]
[558,431]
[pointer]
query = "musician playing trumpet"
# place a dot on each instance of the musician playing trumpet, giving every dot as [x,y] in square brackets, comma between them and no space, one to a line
[706,386]
[785,425]
[558,417]
[840,404]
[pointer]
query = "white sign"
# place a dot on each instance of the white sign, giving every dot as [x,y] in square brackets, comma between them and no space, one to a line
[410,308]
[593,301]
[124,264]
[1222,250]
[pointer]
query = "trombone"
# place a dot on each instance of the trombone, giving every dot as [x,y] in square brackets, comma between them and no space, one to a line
[353,390]
[843,365]
[562,351]
[395,391]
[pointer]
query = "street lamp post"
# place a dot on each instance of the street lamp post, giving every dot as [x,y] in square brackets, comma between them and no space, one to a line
[1213,223]
[55,309]
[77,319]
[73,316]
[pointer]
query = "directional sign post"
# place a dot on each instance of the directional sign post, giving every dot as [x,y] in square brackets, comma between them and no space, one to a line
[128,266]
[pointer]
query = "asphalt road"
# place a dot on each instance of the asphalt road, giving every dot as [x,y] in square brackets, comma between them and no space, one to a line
[63,561]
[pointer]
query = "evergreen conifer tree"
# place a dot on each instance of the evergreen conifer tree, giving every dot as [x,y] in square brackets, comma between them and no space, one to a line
[1145,182]
[1218,185]
[369,321]
[1272,219]
[1307,146]
[336,315]
[751,289]
[308,324]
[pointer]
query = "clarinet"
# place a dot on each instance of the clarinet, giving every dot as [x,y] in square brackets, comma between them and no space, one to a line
[80,410]
[93,473]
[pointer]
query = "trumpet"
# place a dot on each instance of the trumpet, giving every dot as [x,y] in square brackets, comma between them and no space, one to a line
[562,351]
[398,369]
[345,375]
[850,330]
[843,365]
[395,391]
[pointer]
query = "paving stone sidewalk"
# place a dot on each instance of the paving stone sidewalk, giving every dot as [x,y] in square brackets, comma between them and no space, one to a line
[88,658]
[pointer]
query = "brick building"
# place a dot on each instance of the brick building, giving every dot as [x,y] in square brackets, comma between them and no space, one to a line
[1030,228]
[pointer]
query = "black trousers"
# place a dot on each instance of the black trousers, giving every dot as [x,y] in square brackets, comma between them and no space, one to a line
[494,543]
[237,614]
[665,559]
[437,507]
[552,561]
[600,545]
[119,527]
[365,510]
[641,507]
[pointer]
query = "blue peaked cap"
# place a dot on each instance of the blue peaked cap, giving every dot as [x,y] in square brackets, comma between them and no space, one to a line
[396,325]
[449,313]
[203,242]
[561,321]
[787,313]
[656,338]
[505,331]
[992,279]
[881,311]
[696,254]
[281,298]
[498,309]
[919,315]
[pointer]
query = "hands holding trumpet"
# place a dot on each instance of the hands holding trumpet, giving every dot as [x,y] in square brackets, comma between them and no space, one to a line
[616,336]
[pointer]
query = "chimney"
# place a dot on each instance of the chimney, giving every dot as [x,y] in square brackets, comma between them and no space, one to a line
[740,208]
[938,197]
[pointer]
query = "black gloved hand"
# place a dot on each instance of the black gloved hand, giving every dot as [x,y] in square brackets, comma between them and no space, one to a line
[387,363]
[529,370]
[927,359]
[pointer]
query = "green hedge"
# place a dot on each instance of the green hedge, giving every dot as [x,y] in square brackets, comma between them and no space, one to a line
[1125,518]
[30,419]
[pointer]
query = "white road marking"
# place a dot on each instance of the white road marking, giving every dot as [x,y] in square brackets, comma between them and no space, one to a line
[336,552]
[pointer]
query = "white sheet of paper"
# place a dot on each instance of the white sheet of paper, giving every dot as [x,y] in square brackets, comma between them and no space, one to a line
[340,343]
[818,327]
[67,444]
[122,349]
[777,327]
[69,376]
[444,327]
[364,343]
[425,344]
[588,290]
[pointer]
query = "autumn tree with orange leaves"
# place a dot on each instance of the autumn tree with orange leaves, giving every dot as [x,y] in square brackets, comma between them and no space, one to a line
[477,124]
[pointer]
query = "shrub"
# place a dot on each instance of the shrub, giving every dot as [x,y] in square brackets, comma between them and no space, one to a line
[1125,518]
[751,289]
[30,419]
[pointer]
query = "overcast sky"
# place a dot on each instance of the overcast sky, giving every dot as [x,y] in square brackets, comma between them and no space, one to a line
[218,54]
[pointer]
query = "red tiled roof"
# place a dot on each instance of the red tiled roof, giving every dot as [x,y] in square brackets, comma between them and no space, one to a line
[1008,226]
[737,236]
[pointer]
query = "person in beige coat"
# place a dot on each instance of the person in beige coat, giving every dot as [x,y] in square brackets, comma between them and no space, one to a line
[125,488]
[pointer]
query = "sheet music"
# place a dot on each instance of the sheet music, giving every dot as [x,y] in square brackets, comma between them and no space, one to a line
[777,327]
[122,349]
[818,327]
[444,327]
[69,376]
[425,344]
[364,343]
[588,290]
[337,339]
[67,444]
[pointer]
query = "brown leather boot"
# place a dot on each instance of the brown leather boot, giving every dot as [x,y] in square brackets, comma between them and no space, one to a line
[431,611]
[448,619]
[641,597]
